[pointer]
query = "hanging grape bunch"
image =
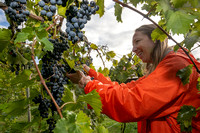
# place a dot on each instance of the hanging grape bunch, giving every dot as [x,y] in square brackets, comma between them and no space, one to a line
[54,72]
[49,8]
[78,17]
[17,11]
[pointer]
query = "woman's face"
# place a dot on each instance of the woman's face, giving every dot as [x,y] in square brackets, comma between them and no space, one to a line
[143,46]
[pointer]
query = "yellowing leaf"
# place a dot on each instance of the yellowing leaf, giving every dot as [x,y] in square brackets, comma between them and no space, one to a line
[100,3]
[93,46]
[62,10]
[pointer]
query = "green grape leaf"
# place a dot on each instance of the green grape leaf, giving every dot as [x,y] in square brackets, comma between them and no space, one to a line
[73,123]
[19,59]
[179,22]
[61,10]
[21,37]
[115,62]
[194,3]
[93,99]
[134,2]
[22,78]
[100,3]
[184,74]
[15,108]
[191,39]
[163,5]
[101,129]
[179,3]
[71,63]
[26,33]
[41,33]
[184,118]
[48,46]
[61,126]
[68,96]
[93,46]
[136,59]
[157,34]
[118,12]
[5,37]
[110,54]
[83,121]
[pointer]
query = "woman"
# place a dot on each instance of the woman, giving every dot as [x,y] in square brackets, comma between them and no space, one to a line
[153,100]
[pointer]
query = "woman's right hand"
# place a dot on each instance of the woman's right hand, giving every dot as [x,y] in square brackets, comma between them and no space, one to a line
[75,77]
[78,75]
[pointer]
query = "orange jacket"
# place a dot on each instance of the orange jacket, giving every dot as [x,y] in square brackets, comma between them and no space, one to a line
[152,101]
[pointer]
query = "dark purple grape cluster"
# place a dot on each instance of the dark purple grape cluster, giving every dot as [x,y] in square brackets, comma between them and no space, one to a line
[44,105]
[52,124]
[78,17]
[17,11]
[54,74]
[49,8]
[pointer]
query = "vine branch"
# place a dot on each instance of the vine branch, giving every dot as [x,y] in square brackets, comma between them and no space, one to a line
[66,104]
[169,36]
[43,82]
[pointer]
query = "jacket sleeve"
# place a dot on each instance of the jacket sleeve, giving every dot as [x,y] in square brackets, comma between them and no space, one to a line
[147,98]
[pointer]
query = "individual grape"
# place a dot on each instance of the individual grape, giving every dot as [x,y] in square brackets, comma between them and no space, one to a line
[22,1]
[92,4]
[46,7]
[43,12]
[76,25]
[41,3]
[72,33]
[74,20]
[53,8]
[53,2]
[59,2]
[80,35]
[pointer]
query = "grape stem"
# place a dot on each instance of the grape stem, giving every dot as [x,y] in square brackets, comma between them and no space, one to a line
[43,82]
[170,37]
[66,104]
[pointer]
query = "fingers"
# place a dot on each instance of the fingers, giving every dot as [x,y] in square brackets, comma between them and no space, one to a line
[86,67]
[80,73]
[84,80]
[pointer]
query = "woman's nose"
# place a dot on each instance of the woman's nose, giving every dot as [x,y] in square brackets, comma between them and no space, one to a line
[134,49]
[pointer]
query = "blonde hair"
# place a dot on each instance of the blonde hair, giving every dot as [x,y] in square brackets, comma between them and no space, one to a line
[159,51]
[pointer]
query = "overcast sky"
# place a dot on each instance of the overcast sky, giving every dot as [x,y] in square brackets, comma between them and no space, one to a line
[107,31]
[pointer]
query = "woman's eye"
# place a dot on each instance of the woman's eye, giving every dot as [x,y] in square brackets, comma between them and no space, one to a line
[137,41]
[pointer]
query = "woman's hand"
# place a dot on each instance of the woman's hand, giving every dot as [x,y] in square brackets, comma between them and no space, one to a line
[84,80]
[75,77]
[79,77]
